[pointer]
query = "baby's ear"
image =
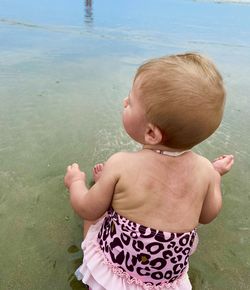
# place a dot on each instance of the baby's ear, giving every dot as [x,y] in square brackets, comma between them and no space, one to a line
[153,135]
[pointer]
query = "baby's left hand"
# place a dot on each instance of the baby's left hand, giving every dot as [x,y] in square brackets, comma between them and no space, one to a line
[73,174]
[223,164]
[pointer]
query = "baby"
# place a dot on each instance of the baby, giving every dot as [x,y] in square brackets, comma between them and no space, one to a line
[142,213]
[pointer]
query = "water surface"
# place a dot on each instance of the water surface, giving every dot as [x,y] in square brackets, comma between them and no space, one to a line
[65,68]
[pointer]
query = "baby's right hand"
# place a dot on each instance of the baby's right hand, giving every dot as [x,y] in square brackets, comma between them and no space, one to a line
[223,164]
[73,174]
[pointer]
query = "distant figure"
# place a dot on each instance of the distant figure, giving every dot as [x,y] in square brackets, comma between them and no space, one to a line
[88,12]
[141,215]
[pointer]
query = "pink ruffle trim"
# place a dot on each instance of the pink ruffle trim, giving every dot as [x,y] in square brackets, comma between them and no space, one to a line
[121,273]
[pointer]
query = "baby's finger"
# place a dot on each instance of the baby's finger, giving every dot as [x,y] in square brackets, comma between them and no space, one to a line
[75,165]
[218,158]
[230,161]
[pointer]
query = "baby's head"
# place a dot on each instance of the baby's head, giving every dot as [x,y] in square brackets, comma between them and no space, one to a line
[183,95]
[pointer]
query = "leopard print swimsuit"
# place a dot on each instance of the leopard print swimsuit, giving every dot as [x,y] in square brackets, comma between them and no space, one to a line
[153,257]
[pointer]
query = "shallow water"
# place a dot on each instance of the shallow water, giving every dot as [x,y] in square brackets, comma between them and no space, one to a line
[65,68]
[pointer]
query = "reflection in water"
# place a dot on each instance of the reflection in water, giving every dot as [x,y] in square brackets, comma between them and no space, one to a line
[88,17]
[76,260]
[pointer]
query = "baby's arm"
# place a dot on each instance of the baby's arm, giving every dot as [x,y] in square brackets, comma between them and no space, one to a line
[92,203]
[213,200]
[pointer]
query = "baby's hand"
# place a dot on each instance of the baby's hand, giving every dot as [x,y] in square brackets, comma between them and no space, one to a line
[73,174]
[223,163]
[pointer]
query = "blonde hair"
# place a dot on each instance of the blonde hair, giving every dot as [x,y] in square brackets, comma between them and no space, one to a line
[183,96]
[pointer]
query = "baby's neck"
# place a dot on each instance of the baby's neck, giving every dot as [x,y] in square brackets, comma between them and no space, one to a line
[164,150]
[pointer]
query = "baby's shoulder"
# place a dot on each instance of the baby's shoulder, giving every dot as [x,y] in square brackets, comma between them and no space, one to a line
[203,164]
[121,158]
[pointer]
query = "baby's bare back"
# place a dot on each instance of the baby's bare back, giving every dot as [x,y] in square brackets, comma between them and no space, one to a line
[162,192]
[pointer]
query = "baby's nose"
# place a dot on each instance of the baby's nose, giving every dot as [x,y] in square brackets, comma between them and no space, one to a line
[125,102]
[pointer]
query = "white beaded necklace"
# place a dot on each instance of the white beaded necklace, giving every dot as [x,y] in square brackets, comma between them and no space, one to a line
[169,153]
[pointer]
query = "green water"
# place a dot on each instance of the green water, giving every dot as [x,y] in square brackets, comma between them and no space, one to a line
[65,68]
